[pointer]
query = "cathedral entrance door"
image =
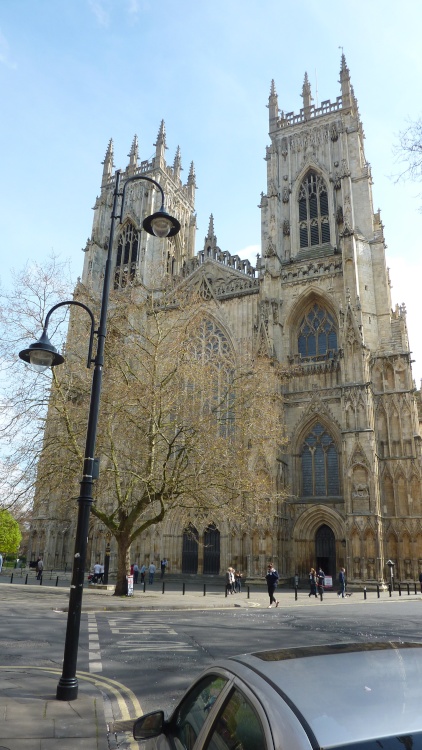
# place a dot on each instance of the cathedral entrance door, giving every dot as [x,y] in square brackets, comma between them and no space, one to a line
[212,551]
[325,550]
[190,551]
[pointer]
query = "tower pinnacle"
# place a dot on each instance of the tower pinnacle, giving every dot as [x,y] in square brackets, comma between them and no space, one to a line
[133,154]
[108,163]
[306,93]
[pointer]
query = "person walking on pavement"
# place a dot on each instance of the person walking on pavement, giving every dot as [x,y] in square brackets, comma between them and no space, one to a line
[272,581]
[420,580]
[135,573]
[97,572]
[142,571]
[320,581]
[342,582]
[163,566]
[151,571]
[312,583]
[40,568]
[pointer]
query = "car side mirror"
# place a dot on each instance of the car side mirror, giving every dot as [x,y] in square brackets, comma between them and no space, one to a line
[150,725]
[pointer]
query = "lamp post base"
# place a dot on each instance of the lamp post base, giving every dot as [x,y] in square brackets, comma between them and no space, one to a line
[67,689]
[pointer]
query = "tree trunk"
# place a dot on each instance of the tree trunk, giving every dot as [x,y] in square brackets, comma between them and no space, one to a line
[123,565]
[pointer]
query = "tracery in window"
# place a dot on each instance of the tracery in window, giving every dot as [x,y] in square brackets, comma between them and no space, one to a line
[212,347]
[317,333]
[127,256]
[320,467]
[314,227]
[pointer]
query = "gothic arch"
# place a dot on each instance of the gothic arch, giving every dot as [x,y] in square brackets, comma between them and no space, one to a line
[333,473]
[303,305]
[318,515]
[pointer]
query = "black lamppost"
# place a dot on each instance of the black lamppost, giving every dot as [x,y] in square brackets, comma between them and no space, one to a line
[42,355]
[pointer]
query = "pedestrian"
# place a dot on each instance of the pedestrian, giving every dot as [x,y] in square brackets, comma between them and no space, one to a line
[97,573]
[420,580]
[312,583]
[135,573]
[237,581]
[229,580]
[163,566]
[342,582]
[40,568]
[142,571]
[151,571]
[320,581]
[272,581]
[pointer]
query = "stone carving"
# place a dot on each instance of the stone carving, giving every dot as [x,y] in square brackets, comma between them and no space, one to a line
[339,215]
[286,228]
[286,195]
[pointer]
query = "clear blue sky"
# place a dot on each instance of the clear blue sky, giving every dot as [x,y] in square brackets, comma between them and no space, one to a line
[76,73]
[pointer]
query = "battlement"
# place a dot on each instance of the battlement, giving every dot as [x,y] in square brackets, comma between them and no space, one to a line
[309,113]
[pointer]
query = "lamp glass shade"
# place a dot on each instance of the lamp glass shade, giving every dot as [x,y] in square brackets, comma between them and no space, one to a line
[161,226]
[41,359]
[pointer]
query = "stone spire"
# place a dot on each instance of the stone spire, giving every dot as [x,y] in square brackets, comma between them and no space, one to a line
[273,107]
[160,146]
[210,239]
[108,163]
[177,164]
[133,155]
[306,94]
[191,183]
[346,91]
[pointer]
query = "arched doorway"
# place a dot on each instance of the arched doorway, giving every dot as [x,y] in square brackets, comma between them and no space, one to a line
[211,551]
[325,550]
[190,551]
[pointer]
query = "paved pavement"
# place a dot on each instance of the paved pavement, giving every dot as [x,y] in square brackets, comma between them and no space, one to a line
[101,717]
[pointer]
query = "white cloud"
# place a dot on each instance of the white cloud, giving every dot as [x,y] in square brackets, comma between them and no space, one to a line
[5,53]
[100,12]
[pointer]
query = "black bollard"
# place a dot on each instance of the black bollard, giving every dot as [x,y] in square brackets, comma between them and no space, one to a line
[295,593]
[364,592]
[183,588]
[415,589]
[408,590]
[57,581]
[145,585]
[389,588]
[11,578]
[378,591]
[249,593]
[399,589]
[164,586]
[205,589]
[41,580]
[226,591]
[26,578]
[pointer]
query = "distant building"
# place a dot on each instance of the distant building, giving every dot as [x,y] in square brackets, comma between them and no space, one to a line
[319,301]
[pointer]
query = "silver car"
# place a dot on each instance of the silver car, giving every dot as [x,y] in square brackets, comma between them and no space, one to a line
[358,695]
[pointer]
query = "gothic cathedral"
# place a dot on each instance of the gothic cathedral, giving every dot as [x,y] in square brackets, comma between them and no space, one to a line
[318,301]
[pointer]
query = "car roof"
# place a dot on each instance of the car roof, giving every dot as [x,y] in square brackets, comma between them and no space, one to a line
[346,693]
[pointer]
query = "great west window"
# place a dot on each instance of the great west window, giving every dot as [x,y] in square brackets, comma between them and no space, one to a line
[314,227]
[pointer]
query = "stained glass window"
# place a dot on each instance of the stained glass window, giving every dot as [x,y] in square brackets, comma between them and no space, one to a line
[317,333]
[320,469]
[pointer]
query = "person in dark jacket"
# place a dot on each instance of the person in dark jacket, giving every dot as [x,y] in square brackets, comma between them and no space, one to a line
[320,582]
[342,582]
[312,583]
[272,581]
[420,580]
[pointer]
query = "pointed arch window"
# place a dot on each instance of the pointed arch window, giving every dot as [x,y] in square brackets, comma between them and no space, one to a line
[317,333]
[320,465]
[314,226]
[127,256]
[211,347]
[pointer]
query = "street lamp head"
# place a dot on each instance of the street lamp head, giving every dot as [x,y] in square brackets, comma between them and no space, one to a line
[41,354]
[161,224]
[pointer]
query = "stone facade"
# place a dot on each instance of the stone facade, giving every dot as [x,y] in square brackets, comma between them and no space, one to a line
[319,301]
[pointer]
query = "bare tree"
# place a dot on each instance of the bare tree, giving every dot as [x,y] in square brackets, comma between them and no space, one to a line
[409,150]
[184,422]
[24,397]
